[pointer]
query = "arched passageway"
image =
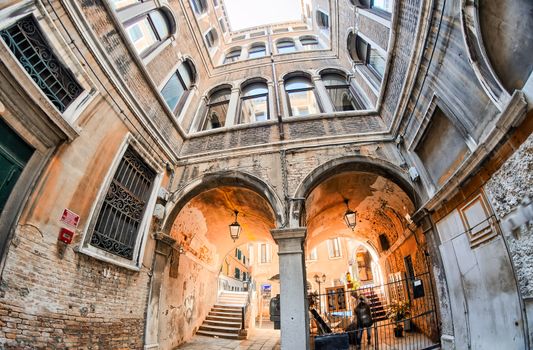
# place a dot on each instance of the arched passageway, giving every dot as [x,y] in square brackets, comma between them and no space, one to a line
[382,259]
[207,264]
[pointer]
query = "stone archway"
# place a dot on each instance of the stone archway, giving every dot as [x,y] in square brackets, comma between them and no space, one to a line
[385,202]
[186,275]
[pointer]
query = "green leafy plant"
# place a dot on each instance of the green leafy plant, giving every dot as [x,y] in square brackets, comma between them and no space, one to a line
[398,310]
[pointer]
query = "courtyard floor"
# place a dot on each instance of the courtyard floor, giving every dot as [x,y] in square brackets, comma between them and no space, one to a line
[258,339]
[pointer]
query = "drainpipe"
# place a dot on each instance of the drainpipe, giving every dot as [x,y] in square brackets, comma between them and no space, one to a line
[276,91]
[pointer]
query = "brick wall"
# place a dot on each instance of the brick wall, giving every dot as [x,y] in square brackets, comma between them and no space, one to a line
[48,302]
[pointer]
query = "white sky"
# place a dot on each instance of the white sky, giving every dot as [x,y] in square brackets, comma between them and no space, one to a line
[251,13]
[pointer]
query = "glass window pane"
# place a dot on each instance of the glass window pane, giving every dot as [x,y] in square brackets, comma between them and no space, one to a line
[222,25]
[198,6]
[257,51]
[160,24]
[172,91]
[377,61]
[334,80]
[220,96]
[232,56]
[385,5]
[303,103]
[141,35]
[254,109]
[286,46]
[184,70]
[216,116]
[342,99]
[255,89]
[210,38]
[298,83]
[309,44]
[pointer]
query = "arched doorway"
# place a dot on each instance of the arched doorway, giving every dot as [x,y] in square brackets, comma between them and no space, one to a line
[199,270]
[386,249]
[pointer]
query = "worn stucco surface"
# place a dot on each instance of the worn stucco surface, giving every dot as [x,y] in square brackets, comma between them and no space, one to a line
[506,189]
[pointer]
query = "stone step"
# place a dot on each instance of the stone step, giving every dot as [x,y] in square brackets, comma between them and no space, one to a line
[229,308]
[224,313]
[223,323]
[219,329]
[224,318]
[221,335]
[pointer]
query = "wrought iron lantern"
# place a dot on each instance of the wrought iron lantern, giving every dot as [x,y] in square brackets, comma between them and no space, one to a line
[318,279]
[350,216]
[235,228]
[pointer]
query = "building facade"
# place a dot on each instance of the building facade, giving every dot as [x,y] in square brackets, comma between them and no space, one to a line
[131,131]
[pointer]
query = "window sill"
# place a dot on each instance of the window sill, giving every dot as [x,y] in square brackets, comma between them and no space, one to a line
[335,257]
[108,258]
[233,128]
[357,113]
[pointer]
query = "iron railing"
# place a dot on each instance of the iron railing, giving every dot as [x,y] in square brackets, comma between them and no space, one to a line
[334,312]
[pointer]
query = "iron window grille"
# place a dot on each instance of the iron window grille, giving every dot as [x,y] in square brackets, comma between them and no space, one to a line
[122,212]
[27,43]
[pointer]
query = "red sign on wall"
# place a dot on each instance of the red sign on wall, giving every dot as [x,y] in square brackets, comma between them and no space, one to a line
[65,235]
[70,218]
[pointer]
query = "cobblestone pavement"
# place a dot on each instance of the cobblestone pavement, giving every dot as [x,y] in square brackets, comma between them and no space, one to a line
[258,339]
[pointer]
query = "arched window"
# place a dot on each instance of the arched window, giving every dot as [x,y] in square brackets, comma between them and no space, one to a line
[339,92]
[211,38]
[217,109]
[254,103]
[199,6]
[350,44]
[301,96]
[322,19]
[309,43]
[148,30]
[233,55]
[385,5]
[177,87]
[257,50]
[285,46]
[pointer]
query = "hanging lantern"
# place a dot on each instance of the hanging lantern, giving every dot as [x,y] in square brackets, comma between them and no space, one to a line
[235,228]
[350,216]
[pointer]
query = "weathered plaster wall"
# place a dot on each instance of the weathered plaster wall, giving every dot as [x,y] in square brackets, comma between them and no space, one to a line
[185,300]
[51,302]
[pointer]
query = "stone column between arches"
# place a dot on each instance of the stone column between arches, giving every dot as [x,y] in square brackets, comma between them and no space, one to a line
[293,301]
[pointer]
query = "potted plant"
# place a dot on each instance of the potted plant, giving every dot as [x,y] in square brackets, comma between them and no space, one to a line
[396,312]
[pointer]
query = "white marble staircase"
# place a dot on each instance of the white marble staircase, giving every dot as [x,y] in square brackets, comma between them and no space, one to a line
[225,318]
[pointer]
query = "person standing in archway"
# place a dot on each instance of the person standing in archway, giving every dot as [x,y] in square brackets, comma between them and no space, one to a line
[364,319]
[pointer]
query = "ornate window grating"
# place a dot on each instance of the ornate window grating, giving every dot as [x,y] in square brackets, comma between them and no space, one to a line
[25,40]
[123,209]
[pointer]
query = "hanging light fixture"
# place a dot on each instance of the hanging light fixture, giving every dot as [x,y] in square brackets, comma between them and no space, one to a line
[350,216]
[235,228]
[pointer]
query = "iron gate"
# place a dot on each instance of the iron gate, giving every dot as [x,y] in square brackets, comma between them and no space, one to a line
[403,313]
